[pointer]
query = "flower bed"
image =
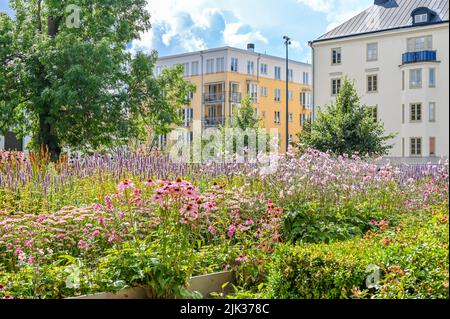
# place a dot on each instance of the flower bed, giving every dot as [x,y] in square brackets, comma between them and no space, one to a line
[105,224]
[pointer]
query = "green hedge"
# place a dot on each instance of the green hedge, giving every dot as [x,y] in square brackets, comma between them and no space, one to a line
[412,259]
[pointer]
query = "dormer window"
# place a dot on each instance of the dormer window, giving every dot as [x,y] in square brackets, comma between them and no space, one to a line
[421,18]
[423,15]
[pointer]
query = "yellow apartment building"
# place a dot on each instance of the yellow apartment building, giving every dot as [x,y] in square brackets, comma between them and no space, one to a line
[224,76]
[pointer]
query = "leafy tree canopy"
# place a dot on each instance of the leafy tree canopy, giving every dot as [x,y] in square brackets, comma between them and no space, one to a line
[80,86]
[346,127]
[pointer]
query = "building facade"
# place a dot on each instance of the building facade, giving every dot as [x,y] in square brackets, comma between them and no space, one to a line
[11,143]
[224,76]
[397,52]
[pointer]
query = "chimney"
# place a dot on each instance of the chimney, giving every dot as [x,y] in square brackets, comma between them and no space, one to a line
[251,47]
[380,2]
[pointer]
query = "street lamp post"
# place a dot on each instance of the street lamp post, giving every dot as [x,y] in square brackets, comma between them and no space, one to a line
[287,42]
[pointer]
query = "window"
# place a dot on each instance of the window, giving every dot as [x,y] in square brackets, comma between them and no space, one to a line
[336,56]
[220,65]
[421,18]
[277,73]
[302,119]
[335,86]
[372,83]
[290,138]
[432,77]
[308,100]
[210,66]
[373,111]
[306,78]
[303,98]
[250,67]
[420,44]
[416,146]
[263,114]
[194,68]
[291,95]
[263,91]
[255,112]
[372,52]
[432,112]
[186,69]
[264,69]
[432,146]
[291,75]
[291,117]
[234,65]
[187,115]
[415,79]
[277,95]
[190,96]
[277,119]
[416,112]
[252,90]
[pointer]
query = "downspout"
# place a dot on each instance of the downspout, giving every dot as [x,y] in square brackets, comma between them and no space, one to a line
[202,113]
[313,117]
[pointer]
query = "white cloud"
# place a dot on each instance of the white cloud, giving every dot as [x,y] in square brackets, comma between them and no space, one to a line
[232,37]
[337,11]
[181,25]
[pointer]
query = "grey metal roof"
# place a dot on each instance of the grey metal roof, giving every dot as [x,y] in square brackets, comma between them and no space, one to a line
[393,14]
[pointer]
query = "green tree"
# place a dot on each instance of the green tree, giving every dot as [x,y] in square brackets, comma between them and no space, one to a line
[80,86]
[245,116]
[346,127]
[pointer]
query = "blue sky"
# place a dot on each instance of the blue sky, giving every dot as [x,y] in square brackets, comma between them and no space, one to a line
[189,25]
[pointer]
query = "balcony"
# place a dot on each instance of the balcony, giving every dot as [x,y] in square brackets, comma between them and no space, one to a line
[420,56]
[235,97]
[213,121]
[210,98]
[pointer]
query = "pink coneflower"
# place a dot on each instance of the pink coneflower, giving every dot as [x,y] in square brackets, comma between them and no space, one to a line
[8,297]
[112,237]
[96,233]
[125,184]
[231,231]
[60,236]
[241,258]
[83,245]
[150,183]
[31,260]
[212,230]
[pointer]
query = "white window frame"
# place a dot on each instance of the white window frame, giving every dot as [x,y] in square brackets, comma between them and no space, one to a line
[277,117]
[415,78]
[264,91]
[209,66]
[220,65]
[417,44]
[277,73]
[336,56]
[432,112]
[415,113]
[372,83]
[194,68]
[278,95]
[250,67]
[290,75]
[264,68]
[415,146]
[423,18]
[372,53]
[234,65]
[432,77]
[335,86]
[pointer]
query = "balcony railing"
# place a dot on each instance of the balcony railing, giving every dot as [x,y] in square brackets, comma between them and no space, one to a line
[214,97]
[214,121]
[235,97]
[421,56]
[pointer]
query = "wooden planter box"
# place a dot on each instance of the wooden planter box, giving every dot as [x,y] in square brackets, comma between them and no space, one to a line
[205,284]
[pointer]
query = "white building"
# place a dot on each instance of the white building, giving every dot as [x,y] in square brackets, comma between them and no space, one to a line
[397,52]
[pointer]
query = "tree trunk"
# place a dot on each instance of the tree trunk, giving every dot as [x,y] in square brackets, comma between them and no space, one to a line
[47,137]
